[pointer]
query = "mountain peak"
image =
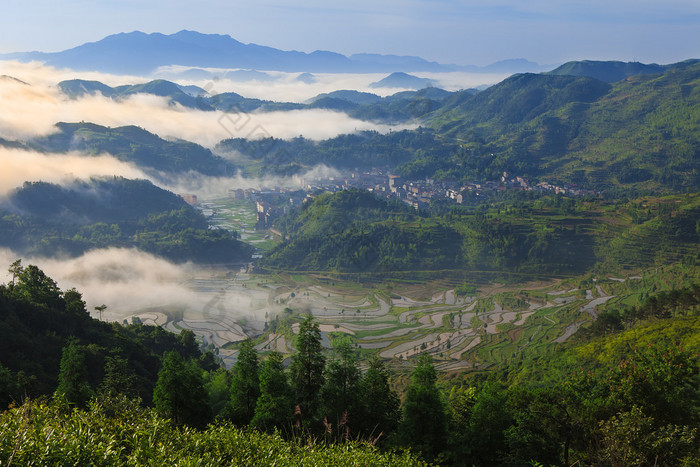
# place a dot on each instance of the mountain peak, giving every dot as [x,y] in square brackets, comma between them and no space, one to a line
[400,79]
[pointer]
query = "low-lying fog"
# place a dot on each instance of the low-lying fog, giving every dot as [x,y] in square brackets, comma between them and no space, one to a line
[32,109]
[129,281]
[132,282]
[34,104]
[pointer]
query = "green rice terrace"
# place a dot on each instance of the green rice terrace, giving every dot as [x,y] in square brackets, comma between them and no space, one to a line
[472,321]
[487,326]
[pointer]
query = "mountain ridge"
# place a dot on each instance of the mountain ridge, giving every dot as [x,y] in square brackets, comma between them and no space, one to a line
[137,52]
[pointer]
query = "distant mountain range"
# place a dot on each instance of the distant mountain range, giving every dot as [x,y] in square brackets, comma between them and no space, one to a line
[140,53]
[400,107]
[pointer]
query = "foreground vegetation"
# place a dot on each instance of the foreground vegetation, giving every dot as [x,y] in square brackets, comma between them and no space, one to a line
[116,432]
[611,398]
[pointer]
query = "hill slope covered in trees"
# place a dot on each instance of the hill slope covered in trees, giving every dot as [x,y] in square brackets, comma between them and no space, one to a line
[355,232]
[50,220]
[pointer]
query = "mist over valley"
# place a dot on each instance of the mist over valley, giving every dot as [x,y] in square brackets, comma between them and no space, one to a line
[218,235]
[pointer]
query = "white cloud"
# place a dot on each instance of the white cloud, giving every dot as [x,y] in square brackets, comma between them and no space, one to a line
[30,110]
[18,166]
[131,282]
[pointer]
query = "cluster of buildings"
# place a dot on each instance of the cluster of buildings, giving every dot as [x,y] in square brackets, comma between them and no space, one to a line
[271,203]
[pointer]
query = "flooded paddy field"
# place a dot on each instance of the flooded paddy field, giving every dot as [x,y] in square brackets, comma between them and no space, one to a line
[230,305]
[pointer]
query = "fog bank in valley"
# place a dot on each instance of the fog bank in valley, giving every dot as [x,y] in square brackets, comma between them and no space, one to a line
[131,282]
[33,104]
[18,166]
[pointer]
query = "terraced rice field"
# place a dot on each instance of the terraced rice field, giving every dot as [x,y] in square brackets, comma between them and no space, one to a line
[460,332]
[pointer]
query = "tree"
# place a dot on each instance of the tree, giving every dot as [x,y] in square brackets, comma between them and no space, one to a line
[340,395]
[662,380]
[424,424]
[218,387]
[381,407]
[631,438]
[36,287]
[488,422]
[545,419]
[307,368]
[74,302]
[245,385]
[461,401]
[72,377]
[180,394]
[119,377]
[274,407]
[8,387]
[15,269]
[100,309]
[188,344]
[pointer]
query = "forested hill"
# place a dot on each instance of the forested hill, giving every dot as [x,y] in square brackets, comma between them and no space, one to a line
[354,232]
[136,145]
[365,149]
[400,107]
[37,320]
[640,134]
[642,131]
[49,220]
[608,71]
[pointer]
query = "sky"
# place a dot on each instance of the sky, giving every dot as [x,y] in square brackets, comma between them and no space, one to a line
[466,32]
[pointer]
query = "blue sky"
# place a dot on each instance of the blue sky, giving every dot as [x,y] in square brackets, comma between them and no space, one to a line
[448,31]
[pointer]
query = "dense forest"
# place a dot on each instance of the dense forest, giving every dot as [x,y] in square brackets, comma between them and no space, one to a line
[138,394]
[364,149]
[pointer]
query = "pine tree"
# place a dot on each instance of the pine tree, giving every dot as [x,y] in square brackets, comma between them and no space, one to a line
[381,408]
[340,397]
[274,408]
[180,393]
[245,385]
[119,377]
[72,377]
[424,424]
[307,368]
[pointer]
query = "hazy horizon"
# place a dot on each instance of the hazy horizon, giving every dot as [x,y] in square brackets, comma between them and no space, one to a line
[446,31]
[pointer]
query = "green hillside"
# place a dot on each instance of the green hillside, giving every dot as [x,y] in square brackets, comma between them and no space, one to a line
[37,320]
[364,149]
[641,133]
[136,145]
[608,71]
[354,232]
[51,220]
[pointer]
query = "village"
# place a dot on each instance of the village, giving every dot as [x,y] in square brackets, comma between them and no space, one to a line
[419,194]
